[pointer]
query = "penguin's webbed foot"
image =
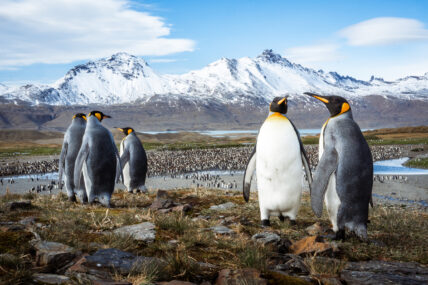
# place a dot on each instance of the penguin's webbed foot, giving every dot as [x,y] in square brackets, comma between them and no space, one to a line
[281,218]
[340,235]
[72,198]
[265,223]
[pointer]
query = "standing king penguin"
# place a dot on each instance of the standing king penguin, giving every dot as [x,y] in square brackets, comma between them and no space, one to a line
[70,148]
[278,158]
[98,160]
[133,160]
[345,171]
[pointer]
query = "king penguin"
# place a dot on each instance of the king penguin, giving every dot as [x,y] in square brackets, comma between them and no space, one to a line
[70,148]
[278,159]
[344,174]
[133,160]
[98,160]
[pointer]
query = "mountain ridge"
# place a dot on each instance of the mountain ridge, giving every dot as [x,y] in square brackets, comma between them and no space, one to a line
[124,78]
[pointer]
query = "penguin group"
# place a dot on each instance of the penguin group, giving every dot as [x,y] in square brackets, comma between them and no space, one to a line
[343,176]
[91,164]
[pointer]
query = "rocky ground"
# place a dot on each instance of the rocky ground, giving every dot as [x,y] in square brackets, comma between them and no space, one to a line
[200,236]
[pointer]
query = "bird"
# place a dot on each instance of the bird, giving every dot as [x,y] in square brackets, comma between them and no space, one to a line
[98,160]
[133,159]
[344,175]
[70,148]
[278,159]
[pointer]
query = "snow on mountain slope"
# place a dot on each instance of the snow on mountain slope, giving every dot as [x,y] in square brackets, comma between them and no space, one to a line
[124,78]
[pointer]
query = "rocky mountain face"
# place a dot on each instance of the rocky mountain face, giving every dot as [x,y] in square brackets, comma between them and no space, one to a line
[228,93]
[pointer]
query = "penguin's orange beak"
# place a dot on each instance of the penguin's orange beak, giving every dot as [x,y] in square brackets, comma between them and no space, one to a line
[316,96]
[106,116]
[282,100]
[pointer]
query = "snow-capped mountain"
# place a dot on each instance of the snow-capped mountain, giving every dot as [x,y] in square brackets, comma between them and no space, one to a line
[124,78]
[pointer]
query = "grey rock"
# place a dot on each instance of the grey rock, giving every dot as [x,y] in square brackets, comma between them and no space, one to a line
[18,205]
[53,254]
[384,272]
[266,238]
[28,221]
[225,206]
[222,230]
[114,260]
[143,232]
[43,278]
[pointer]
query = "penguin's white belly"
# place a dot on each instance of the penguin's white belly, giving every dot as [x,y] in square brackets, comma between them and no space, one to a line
[125,169]
[88,182]
[332,201]
[278,168]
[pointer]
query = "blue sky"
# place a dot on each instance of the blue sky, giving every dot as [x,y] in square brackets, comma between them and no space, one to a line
[41,40]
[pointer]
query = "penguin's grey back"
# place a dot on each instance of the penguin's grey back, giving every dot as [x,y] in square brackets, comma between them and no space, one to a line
[137,160]
[354,174]
[101,160]
[73,136]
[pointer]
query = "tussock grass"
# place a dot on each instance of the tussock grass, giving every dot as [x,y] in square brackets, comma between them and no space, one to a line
[418,163]
[395,233]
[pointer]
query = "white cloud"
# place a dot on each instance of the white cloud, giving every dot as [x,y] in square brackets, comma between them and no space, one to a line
[384,31]
[313,53]
[62,31]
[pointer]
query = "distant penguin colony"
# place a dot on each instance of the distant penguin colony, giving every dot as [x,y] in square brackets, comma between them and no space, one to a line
[278,159]
[344,175]
[91,165]
[133,159]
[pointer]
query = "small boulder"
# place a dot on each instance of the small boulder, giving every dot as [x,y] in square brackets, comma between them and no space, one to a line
[315,229]
[143,232]
[42,278]
[266,238]
[221,207]
[222,230]
[312,244]
[18,205]
[182,208]
[28,221]
[53,254]
[240,276]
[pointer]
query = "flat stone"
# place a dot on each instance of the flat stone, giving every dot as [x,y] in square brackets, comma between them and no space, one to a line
[43,278]
[315,229]
[225,206]
[28,221]
[240,276]
[312,244]
[110,282]
[18,205]
[294,265]
[176,282]
[114,260]
[266,238]
[384,272]
[222,230]
[182,208]
[143,232]
[53,254]
[161,203]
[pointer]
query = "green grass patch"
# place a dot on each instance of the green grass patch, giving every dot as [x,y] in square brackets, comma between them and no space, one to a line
[39,150]
[397,141]
[418,163]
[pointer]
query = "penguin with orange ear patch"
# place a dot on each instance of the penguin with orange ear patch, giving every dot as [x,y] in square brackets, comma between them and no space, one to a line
[344,175]
[133,159]
[98,160]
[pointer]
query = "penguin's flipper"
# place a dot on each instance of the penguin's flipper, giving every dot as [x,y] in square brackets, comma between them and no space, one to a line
[371,201]
[81,158]
[305,159]
[248,175]
[62,161]
[325,168]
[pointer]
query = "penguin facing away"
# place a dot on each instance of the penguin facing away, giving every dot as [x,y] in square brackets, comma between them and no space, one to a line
[344,176]
[278,157]
[133,159]
[98,160]
[70,148]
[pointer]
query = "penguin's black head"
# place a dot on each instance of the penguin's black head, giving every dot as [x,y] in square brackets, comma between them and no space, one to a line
[100,115]
[126,131]
[279,104]
[79,115]
[335,104]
